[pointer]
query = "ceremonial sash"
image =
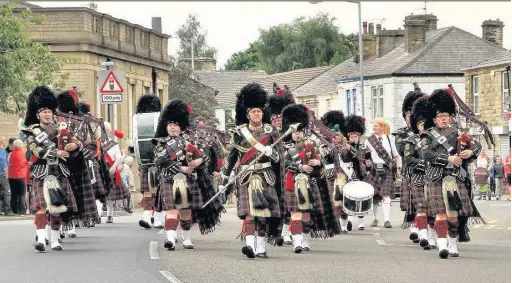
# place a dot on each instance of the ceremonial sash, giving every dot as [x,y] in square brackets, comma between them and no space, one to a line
[256,145]
[444,137]
[380,150]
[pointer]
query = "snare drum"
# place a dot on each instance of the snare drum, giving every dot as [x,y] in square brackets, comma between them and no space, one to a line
[144,128]
[357,198]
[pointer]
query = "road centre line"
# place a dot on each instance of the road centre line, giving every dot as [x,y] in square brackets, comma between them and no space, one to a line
[170,277]
[153,250]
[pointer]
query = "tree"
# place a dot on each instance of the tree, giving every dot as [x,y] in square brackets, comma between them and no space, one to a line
[201,97]
[244,60]
[24,63]
[304,43]
[191,30]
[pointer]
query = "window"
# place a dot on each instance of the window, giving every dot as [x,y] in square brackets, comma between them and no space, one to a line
[351,101]
[505,90]
[161,95]
[96,27]
[158,44]
[144,39]
[375,102]
[146,90]
[381,101]
[378,101]
[474,87]
[129,34]
[115,31]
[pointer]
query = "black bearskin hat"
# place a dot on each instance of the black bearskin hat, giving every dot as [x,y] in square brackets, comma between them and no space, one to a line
[277,102]
[419,113]
[67,103]
[335,120]
[148,103]
[295,113]
[439,102]
[252,95]
[84,107]
[409,100]
[354,124]
[41,98]
[176,111]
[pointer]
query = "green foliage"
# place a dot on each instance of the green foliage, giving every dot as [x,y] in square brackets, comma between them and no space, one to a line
[304,43]
[192,30]
[183,86]
[24,63]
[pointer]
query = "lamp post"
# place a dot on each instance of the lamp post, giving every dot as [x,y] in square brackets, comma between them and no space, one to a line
[191,51]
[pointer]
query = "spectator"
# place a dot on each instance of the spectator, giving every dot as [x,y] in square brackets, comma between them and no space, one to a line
[498,174]
[129,182]
[17,173]
[5,190]
[482,162]
[507,173]
[8,149]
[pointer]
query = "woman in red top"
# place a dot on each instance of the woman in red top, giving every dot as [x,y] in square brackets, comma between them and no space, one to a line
[507,173]
[17,174]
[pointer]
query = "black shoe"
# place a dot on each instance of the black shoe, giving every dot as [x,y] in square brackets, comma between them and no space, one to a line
[57,248]
[62,235]
[152,220]
[344,232]
[443,254]
[414,237]
[349,226]
[248,252]
[93,224]
[424,244]
[60,241]
[169,245]
[375,223]
[39,247]
[129,210]
[144,224]
[262,255]
[98,219]
[387,224]
[298,249]
[110,219]
[104,208]
[306,249]
[280,241]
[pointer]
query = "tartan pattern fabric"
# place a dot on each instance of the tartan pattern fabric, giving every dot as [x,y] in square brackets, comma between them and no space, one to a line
[55,222]
[330,220]
[291,201]
[383,185]
[40,220]
[436,201]
[37,196]
[167,195]
[418,198]
[207,218]
[441,227]
[80,182]
[405,195]
[117,192]
[337,210]
[98,188]
[144,181]
[242,194]
[146,203]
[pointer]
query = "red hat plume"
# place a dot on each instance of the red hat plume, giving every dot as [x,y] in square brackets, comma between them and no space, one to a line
[363,119]
[190,109]
[280,92]
[88,105]
[72,92]
[119,134]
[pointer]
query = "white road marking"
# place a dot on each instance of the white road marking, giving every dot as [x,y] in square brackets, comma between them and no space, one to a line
[376,235]
[492,222]
[170,277]
[153,250]
[490,226]
[376,229]
[381,242]
[476,226]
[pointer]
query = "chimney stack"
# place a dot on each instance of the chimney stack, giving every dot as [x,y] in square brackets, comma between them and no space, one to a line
[493,31]
[365,27]
[370,28]
[378,28]
[156,24]
[417,28]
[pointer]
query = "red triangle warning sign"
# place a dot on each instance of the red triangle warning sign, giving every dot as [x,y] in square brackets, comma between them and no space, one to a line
[111,84]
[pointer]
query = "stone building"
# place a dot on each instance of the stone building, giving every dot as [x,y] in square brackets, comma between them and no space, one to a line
[89,38]
[488,94]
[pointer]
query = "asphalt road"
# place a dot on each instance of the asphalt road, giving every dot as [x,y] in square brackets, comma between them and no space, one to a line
[123,252]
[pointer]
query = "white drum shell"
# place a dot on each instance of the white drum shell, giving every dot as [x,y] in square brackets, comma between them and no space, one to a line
[357,198]
[150,122]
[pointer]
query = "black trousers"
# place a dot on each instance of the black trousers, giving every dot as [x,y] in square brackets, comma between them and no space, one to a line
[18,190]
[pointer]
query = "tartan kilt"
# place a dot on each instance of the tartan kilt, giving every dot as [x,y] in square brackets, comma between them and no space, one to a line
[291,199]
[382,185]
[337,210]
[80,182]
[37,195]
[405,195]
[242,197]
[144,181]
[418,198]
[166,194]
[326,223]
[436,202]
[98,188]
[117,192]
[207,218]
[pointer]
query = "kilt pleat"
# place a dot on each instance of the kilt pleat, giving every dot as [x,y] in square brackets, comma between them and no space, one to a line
[83,190]
[405,194]
[242,196]
[419,199]
[383,185]
[207,218]
[144,181]
[166,194]
[37,193]
[98,188]
[436,202]
[117,192]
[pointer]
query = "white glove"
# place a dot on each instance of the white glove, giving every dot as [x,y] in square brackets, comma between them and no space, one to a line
[130,143]
[268,151]
[221,188]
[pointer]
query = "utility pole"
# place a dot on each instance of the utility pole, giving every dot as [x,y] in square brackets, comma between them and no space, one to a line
[361,51]
[192,53]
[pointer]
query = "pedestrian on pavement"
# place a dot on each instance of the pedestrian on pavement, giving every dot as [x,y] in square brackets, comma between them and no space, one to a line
[498,174]
[5,190]
[483,162]
[18,166]
[507,173]
[129,182]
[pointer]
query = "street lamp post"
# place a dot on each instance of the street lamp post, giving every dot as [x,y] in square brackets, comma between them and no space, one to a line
[191,51]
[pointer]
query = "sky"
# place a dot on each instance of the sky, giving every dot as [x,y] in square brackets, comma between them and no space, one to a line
[231,26]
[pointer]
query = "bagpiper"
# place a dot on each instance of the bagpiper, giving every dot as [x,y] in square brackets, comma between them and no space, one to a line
[354,129]
[50,191]
[276,102]
[401,136]
[448,152]
[257,198]
[181,172]
[148,103]
[414,160]
[69,119]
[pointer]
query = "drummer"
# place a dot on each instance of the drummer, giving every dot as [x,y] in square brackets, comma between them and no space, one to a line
[385,162]
[354,129]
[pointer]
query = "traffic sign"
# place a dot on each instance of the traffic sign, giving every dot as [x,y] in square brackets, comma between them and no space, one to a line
[110,86]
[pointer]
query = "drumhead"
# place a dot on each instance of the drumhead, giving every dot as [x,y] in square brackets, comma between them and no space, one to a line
[358,190]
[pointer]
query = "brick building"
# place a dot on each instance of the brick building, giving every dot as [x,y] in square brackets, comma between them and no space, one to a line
[488,94]
[89,38]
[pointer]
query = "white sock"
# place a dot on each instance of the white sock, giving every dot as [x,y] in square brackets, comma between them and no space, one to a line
[171,235]
[99,205]
[414,230]
[249,241]
[110,208]
[41,236]
[375,208]
[146,216]
[286,230]
[386,208]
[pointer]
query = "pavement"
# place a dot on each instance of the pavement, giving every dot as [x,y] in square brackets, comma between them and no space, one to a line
[123,252]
